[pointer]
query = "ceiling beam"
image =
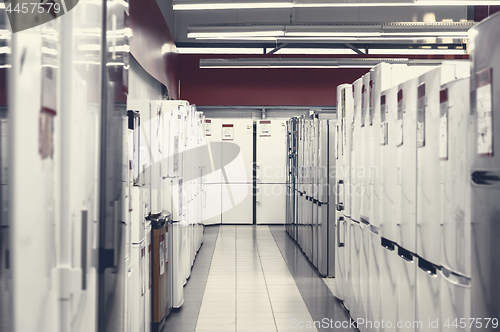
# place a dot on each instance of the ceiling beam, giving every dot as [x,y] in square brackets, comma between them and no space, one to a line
[277,48]
[355,49]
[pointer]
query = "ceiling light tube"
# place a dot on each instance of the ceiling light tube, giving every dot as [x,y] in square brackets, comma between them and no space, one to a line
[235,34]
[231,5]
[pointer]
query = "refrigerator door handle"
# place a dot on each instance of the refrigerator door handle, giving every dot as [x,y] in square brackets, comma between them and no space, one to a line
[485,178]
[340,205]
[340,244]
[454,278]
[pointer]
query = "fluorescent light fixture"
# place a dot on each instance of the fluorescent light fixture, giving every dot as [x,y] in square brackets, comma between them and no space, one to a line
[214,50]
[417,51]
[236,34]
[232,5]
[312,63]
[245,4]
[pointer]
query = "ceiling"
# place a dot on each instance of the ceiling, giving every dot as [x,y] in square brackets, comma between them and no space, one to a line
[321,30]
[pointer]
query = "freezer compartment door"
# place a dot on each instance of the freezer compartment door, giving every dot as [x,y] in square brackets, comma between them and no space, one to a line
[455,300]
[271,203]
[237,204]
[406,301]
[389,273]
[428,294]
[212,204]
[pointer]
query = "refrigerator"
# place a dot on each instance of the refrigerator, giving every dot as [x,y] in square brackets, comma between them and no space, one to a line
[354,192]
[406,142]
[484,170]
[455,255]
[271,166]
[332,227]
[237,171]
[346,191]
[325,229]
[389,205]
[212,201]
[344,101]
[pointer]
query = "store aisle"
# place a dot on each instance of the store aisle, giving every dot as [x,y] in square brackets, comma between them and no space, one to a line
[256,280]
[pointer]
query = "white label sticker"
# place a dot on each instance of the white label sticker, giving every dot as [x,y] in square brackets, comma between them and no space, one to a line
[227,132]
[399,124]
[208,127]
[484,113]
[443,125]
[265,128]
[421,116]
[162,254]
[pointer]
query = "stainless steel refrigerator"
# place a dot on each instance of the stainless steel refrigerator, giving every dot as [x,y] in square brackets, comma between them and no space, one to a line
[484,44]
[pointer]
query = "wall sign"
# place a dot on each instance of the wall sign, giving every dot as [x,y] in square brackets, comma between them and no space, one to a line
[227,132]
[443,124]
[421,116]
[484,102]
[265,128]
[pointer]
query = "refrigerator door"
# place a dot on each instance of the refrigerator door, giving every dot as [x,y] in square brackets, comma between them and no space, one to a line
[237,203]
[389,271]
[455,163]
[363,171]
[428,308]
[455,301]
[323,201]
[331,191]
[485,169]
[407,160]
[237,158]
[374,288]
[406,266]
[271,163]
[355,186]
[271,203]
[388,166]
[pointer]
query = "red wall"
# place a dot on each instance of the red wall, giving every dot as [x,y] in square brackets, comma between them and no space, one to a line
[262,87]
[150,34]
[482,12]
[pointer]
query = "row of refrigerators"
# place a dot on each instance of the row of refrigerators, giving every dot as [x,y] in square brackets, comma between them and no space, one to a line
[169,165]
[411,192]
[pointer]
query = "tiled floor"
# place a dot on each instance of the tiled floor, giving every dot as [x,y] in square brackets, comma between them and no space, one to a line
[256,280]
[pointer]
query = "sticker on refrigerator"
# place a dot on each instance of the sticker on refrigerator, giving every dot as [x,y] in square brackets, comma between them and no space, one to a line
[265,128]
[399,125]
[338,145]
[484,102]
[363,105]
[141,269]
[227,132]
[421,116]
[383,124]
[443,124]
[371,108]
[162,254]
[208,127]
[176,153]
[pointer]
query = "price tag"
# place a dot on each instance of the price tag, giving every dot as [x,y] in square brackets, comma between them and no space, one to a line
[443,124]
[208,127]
[383,126]
[421,116]
[265,128]
[227,132]
[484,102]
[399,124]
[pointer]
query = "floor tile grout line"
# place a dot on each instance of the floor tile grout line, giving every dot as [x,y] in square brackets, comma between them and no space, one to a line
[265,281]
[208,274]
